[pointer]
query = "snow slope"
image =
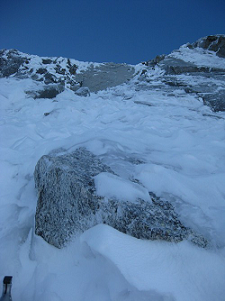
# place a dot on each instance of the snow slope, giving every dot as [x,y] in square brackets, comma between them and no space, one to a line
[173,144]
[178,271]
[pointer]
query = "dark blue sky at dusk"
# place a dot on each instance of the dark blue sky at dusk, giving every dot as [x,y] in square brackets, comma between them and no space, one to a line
[118,31]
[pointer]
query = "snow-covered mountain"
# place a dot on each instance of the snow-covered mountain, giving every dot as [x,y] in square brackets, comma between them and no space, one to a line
[159,127]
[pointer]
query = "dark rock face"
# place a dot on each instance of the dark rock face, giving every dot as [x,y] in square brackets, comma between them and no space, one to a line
[215,100]
[10,63]
[46,61]
[41,71]
[68,204]
[213,43]
[72,68]
[49,91]
[49,78]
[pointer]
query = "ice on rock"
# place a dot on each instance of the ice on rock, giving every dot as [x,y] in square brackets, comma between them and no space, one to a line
[114,187]
[77,191]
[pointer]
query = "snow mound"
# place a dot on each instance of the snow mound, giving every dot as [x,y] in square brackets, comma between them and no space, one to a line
[112,186]
[180,270]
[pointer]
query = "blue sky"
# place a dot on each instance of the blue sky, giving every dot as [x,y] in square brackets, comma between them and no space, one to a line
[128,31]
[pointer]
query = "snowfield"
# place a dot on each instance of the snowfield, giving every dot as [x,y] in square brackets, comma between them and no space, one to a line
[172,144]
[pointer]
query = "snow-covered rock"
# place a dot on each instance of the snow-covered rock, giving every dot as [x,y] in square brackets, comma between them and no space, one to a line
[83,91]
[46,91]
[214,43]
[65,199]
[197,68]
[68,72]
[77,191]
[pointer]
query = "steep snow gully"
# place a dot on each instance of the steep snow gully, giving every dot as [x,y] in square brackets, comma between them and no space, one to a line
[158,128]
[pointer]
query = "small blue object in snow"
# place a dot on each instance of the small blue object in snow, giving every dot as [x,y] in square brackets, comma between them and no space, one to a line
[7,285]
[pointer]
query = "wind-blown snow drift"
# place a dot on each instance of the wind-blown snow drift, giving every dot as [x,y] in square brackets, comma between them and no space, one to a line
[179,270]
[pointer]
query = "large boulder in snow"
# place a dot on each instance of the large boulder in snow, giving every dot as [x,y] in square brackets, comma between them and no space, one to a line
[69,202]
[66,203]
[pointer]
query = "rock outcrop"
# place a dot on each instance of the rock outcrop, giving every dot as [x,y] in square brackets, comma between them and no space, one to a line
[214,43]
[68,73]
[47,91]
[197,68]
[192,68]
[68,204]
[10,62]
[105,76]
[83,91]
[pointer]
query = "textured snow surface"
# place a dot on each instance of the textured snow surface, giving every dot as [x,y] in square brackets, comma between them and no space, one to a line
[171,145]
[180,270]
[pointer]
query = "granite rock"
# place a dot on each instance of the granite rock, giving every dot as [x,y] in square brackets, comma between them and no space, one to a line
[68,204]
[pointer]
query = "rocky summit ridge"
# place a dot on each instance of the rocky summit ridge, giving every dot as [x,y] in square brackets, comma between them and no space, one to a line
[63,73]
[197,68]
